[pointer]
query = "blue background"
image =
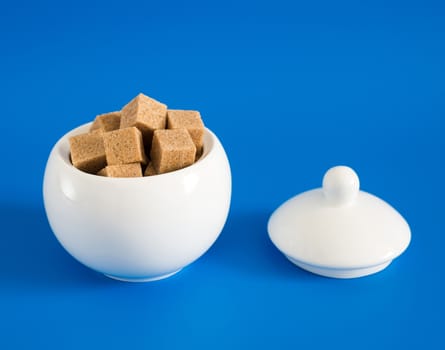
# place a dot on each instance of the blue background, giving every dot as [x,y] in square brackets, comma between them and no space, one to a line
[291,89]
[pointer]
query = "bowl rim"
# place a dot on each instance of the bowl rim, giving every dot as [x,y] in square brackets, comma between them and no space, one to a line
[61,151]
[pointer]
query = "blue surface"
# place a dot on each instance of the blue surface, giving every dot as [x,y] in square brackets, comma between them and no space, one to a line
[291,90]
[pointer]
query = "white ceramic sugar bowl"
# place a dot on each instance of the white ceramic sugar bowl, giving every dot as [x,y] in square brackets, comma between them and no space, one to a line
[338,230]
[138,229]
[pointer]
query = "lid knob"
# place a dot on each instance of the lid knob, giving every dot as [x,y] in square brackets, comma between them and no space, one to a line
[340,185]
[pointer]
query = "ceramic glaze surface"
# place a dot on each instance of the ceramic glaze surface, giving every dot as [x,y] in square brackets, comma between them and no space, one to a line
[138,229]
[338,227]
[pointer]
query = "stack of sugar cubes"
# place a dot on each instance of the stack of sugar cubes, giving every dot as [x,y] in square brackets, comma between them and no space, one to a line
[144,138]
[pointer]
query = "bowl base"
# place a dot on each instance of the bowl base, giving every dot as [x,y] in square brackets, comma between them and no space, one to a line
[340,273]
[143,279]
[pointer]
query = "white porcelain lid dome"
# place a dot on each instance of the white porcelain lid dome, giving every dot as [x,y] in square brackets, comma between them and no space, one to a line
[338,226]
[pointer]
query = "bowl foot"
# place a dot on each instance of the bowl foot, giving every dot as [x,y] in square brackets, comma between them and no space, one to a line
[340,273]
[142,279]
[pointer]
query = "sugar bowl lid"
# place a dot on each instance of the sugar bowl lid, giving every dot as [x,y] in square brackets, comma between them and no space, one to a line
[337,230]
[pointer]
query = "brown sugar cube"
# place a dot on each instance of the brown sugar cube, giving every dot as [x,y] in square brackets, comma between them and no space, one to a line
[96,131]
[124,146]
[190,120]
[150,170]
[87,152]
[122,170]
[172,149]
[146,114]
[107,122]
